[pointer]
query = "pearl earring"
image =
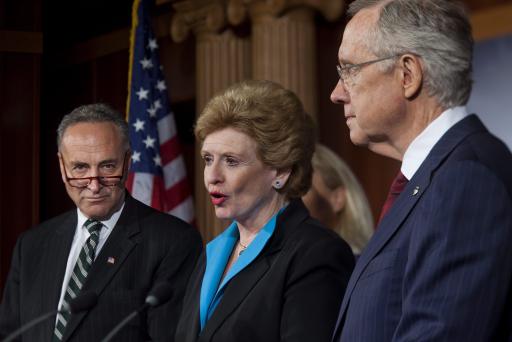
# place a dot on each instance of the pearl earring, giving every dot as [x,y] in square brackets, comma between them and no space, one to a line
[277,184]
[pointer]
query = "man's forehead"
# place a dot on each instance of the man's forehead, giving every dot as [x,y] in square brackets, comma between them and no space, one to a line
[358,28]
[84,140]
[91,127]
[96,133]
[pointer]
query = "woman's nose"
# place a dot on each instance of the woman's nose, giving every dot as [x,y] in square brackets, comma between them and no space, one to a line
[213,174]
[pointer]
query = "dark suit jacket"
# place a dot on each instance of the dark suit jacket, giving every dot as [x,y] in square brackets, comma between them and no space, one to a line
[439,267]
[290,292]
[147,246]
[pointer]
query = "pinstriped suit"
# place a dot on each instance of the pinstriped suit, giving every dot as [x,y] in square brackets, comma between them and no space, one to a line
[146,246]
[439,267]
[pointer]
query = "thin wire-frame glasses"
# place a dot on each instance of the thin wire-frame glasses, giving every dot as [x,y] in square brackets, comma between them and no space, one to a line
[347,72]
[84,182]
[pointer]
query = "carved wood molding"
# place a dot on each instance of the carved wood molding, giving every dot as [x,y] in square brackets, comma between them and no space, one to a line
[330,9]
[211,16]
[200,16]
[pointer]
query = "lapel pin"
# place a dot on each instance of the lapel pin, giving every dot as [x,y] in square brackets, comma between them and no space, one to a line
[416,190]
[111,260]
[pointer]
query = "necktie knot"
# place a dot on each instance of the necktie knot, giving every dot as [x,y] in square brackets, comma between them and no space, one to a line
[93,226]
[398,184]
[396,188]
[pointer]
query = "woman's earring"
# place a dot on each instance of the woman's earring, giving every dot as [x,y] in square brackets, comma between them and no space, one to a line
[277,185]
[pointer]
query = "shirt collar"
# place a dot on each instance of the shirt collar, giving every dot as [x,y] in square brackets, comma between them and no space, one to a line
[421,146]
[108,224]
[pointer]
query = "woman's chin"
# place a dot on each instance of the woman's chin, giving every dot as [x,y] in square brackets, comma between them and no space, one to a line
[222,214]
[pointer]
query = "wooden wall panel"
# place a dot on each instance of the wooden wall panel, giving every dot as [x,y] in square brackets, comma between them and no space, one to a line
[19,150]
[492,22]
[20,65]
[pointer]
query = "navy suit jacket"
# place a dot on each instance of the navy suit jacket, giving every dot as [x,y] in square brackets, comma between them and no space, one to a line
[290,292]
[146,247]
[439,267]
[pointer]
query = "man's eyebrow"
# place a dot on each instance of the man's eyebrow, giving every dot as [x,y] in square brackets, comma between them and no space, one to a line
[343,61]
[103,162]
[78,163]
[108,161]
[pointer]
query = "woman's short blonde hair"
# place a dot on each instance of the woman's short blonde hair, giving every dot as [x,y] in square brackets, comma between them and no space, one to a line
[355,221]
[275,118]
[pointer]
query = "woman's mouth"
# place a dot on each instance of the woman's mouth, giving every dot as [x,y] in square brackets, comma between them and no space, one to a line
[217,197]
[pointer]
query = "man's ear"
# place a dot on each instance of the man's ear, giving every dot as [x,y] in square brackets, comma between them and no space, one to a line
[127,162]
[62,167]
[338,199]
[412,74]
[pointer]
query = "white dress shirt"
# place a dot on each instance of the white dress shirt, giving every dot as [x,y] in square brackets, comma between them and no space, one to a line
[421,146]
[81,235]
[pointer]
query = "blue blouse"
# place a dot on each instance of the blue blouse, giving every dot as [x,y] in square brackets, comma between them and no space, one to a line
[218,252]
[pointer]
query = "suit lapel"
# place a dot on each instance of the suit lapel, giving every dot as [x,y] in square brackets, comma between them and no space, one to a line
[408,199]
[387,228]
[236,291]
[241,285]
[56,251]
[190,314]
[118,246]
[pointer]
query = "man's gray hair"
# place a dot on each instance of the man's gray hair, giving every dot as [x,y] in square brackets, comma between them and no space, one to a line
[438,31]
[96,112]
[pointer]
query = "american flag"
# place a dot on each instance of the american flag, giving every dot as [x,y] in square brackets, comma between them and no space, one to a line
[157,174]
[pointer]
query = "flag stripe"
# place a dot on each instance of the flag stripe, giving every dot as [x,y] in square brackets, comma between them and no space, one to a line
[166,128]
[177,194]
[158,198]
[129,182]
[174,172]
[143,187]
[184,209]
[169,150]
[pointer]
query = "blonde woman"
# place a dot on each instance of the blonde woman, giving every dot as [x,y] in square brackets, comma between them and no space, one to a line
[274,274]
[337,199]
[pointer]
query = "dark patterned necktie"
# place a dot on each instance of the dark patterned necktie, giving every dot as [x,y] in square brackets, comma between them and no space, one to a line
[80,272]
[396,188]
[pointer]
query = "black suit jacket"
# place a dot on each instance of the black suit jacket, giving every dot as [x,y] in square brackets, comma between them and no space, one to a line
[290,292]
[147,247]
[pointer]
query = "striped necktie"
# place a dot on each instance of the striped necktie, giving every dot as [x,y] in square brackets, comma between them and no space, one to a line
[80,271]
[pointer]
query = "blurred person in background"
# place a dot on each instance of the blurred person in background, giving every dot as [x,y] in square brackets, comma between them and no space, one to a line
[337,199]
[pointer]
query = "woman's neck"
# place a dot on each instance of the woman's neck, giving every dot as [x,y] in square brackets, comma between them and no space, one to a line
[249,228]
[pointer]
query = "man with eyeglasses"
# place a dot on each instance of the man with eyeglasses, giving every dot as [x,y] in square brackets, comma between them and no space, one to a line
[111,245]
[439,266]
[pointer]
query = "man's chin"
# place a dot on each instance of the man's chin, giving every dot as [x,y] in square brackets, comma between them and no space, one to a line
[96,212]
[359,139]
